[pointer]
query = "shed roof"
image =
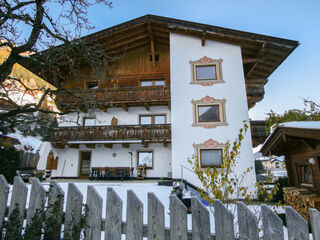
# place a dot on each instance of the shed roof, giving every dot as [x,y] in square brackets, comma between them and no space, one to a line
[286,135]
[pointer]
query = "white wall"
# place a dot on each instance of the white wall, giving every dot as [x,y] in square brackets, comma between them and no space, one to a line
[184,49]
[104,118]
[68,164]
[44,151]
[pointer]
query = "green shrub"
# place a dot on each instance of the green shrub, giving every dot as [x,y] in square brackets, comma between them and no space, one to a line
[9,161]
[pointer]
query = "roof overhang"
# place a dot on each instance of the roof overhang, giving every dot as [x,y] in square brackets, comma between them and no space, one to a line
[283,139]
[261,54]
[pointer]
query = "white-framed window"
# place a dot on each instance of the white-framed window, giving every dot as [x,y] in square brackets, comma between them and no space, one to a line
[152,82]
[152,119]
[145,159]
[89,121]
[209,112]
[206,71]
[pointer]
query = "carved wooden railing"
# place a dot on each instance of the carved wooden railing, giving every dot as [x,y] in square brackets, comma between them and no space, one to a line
[114,96]
[156,132]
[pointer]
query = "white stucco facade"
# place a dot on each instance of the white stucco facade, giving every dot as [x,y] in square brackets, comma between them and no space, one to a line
[184,49]
[131,117]
[69,159]
[172,160]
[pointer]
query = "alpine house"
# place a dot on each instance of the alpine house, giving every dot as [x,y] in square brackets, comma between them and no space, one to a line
[178,88]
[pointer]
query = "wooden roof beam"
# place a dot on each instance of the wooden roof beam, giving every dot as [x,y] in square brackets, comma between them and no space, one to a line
[253,60]
[259,54]
[124,49]
[126,43]
[153,55]
[203,39]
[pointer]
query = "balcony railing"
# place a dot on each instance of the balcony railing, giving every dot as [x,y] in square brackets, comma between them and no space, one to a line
[254,91]
[156,132]
[115,96]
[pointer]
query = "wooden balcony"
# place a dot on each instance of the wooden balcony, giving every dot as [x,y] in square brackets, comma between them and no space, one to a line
[145,133]
[254,94]
[114,97]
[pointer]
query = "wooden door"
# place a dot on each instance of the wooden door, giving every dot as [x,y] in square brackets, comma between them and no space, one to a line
[85,163]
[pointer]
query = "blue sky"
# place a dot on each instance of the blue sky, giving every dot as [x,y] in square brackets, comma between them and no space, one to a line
[298,77]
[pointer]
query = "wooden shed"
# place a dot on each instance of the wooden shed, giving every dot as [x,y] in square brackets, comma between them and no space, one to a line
[299,142]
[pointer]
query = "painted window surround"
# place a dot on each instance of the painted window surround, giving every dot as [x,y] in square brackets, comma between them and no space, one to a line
[204,62]
[209,144]
[207,101]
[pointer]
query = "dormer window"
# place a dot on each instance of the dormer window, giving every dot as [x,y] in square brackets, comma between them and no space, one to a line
[206,71]
[92,85]
[152,82]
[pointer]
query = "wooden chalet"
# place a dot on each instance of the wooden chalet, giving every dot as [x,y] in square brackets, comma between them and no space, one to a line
[299,142]
[140,90]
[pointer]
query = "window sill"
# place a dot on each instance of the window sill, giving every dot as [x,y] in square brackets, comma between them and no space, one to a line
[209,124]
[206,82]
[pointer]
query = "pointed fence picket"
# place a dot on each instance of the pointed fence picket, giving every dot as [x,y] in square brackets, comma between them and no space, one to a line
[133,228]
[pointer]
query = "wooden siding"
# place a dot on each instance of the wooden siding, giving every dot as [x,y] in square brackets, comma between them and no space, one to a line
[300,154]
[128,70]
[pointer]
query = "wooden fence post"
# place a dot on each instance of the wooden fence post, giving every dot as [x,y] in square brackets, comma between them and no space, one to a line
[178,219]
[200,220]
[248,225]
[272,224]
[37,200]
[315,223]
[73,211]
[55,210]
[18,198]
[113,221]
[134,224]
[94,217]
[156,227]
[4,191]
[223,221]
[297,226]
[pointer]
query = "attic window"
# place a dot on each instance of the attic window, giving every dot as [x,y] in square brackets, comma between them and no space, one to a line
[156,56]
[92,85]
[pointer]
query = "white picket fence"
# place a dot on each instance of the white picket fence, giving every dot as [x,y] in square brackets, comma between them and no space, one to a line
[113,227]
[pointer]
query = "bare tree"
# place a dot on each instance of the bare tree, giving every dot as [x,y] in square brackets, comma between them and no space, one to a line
[45,36]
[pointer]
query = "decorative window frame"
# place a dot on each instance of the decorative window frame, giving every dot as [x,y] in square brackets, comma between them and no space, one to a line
[207,101]
[210,144]
[205,61]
